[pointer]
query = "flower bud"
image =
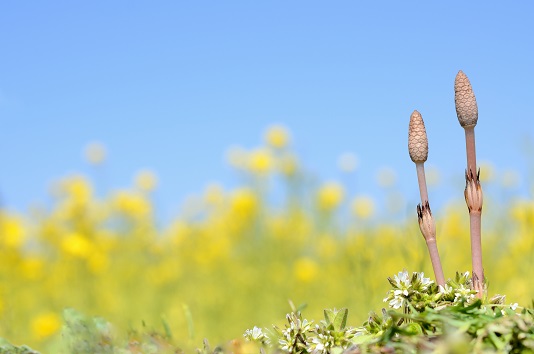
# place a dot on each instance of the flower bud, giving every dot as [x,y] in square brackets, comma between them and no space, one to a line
[426,222]
[417,140]
[473,191]
[466,103]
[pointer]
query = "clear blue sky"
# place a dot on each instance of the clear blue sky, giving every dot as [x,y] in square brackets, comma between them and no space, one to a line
[170,85]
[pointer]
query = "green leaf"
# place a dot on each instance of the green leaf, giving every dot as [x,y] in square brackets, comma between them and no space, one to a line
[363,338]
[329,316]
[414,329]
[336,318]
[340,321]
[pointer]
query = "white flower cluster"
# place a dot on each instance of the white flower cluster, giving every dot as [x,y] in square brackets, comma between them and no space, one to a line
[256,335]
[322,343]
[404,286]
[294,336]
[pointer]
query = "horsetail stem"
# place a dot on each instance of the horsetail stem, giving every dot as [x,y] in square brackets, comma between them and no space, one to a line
[467,112]
[418,149]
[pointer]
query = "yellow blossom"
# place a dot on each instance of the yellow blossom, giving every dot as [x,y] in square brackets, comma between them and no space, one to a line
[237,157]
[432,176]
[32,268]
[146,181]
[277,136]
[132,204]
[386,177]
[329,196]
[260,161]
[288,164]
[510,179]
[363,207]
[305,269]
[347,162]
[45,324]
[95,153]
[98,262]
[214,194]
[326,246]
[487,171]
[76,188]
[77,245]
[12,233]
[244,202]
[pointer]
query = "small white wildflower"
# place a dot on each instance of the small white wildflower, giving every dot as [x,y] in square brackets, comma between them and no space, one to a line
[402,280]
[399,292]
[397,302]
[445,289]
[254,334]
[514,306]
[425,282]
[463,292]
[322,343]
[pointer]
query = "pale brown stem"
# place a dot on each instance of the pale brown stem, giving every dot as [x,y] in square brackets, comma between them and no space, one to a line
[476,252]
[474,216]
[420,166]
[436,262]
[470,148]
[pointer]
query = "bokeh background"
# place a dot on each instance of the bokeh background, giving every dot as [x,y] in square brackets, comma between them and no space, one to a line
[204,162]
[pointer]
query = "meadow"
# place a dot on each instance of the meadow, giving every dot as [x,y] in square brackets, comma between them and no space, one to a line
[234,257]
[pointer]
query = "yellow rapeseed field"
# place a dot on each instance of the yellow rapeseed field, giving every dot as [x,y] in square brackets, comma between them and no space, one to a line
[233,258]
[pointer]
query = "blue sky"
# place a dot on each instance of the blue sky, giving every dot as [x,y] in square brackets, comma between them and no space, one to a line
[170,85]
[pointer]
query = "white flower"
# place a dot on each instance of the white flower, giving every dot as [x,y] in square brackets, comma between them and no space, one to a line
[402,280]
[322,343]
[447,289]
[425,282]
[514,306]
[397,302]
[254,334]
[463,292]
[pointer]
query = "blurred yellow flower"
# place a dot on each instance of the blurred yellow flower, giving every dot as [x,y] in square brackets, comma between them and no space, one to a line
[363,207]
[326,246]
[305,269]
[237,157]
[510,179]
[260,161]
[386,177]
[288,164]
[244,202]
[98,262]
[45,324]
[487,171]
[12,233]
[347,162]
[32,268]
[522,210]
[77,245]
[95,153]
[146,180]
[214,194]
[277,136]
[330,195]
[132,204]
[432,175]
[77,188]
